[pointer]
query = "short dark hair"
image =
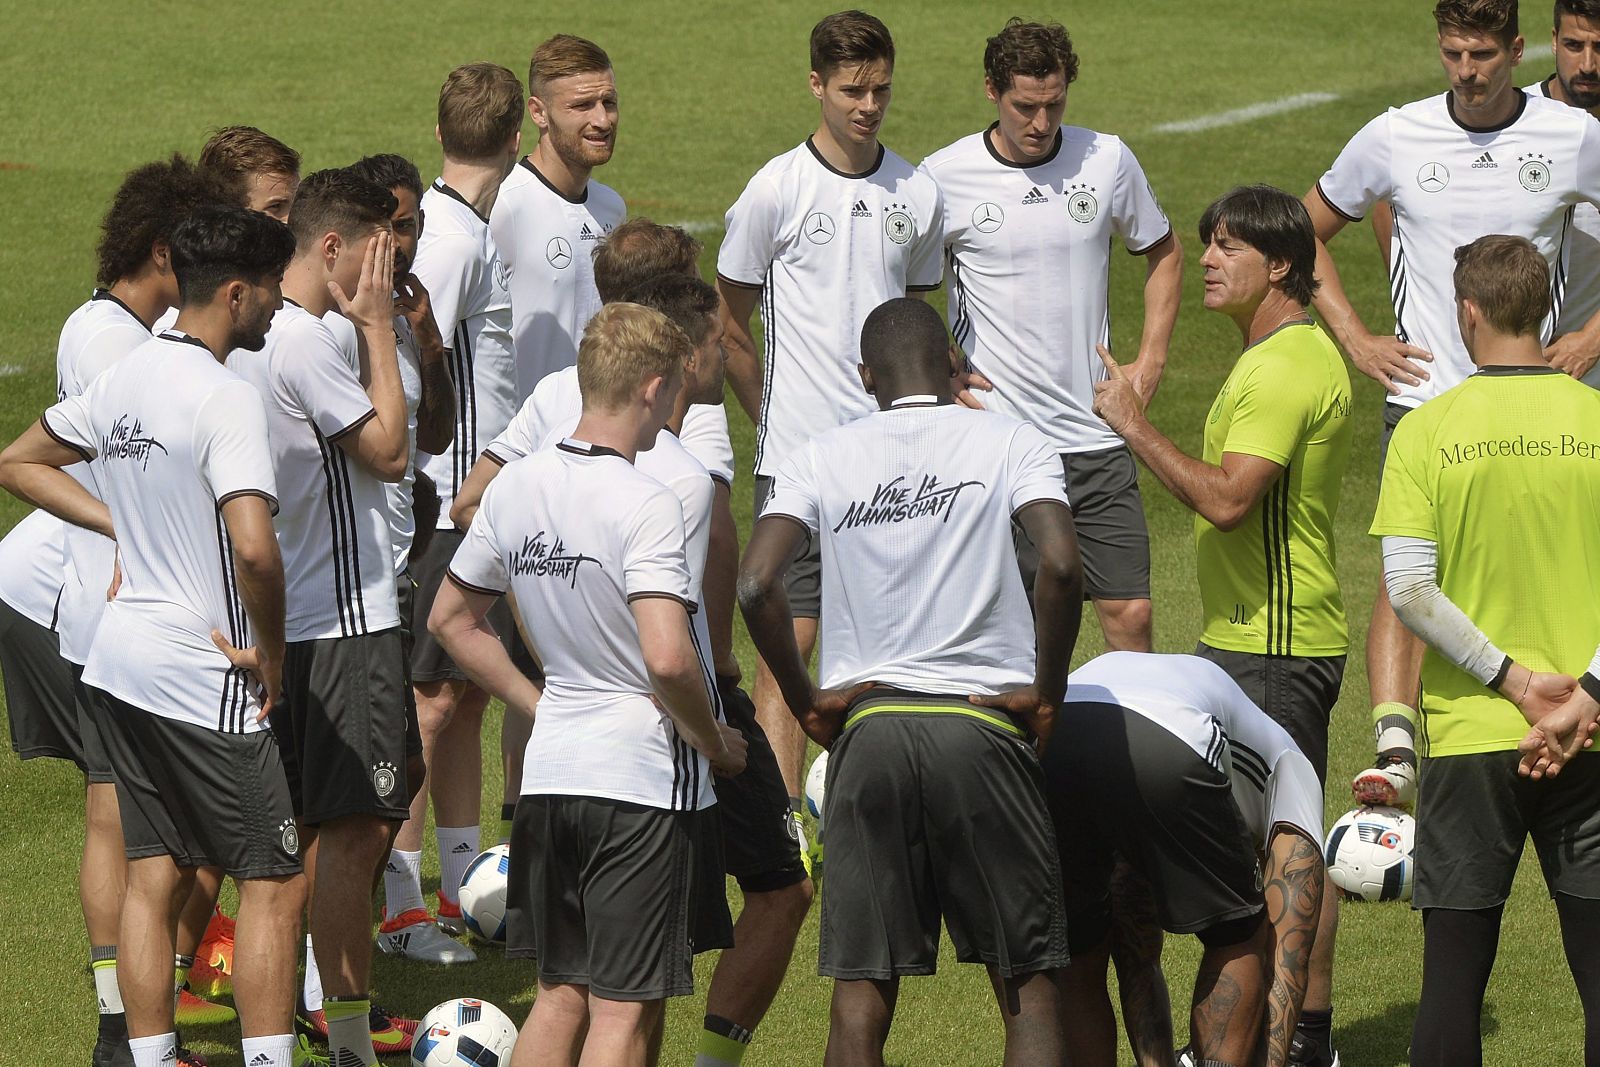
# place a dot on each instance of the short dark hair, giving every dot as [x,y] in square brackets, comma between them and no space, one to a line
[218,243]
[234,153]
[1031,49]
[904,334]
[389,171]
[685,299]
[339,200]
[639,250]
[1508,280]
[1275,224]
[480,109]
[849,39]
[147,207]
[1496,18]
[1583,9]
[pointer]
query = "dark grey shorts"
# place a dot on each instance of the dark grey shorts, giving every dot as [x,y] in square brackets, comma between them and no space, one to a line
[930,814]
[758,836]
[803,579]
[1474,814]
[615,896]
[1297,692]
[1392,414]
[428,660]
[1108,514]
[90,706]
[38,683]
[204,797]
[341,724]
[1119,784]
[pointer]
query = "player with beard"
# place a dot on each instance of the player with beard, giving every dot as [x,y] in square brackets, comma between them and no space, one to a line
[551,212]
[181,453]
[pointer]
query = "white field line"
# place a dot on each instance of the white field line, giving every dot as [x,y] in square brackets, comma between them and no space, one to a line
[11,370]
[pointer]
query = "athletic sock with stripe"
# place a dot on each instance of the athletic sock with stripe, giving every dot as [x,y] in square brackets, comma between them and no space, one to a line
[349,1032]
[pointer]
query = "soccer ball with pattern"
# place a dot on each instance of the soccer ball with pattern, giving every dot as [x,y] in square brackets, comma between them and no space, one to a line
[483,894]
[464,1031]
[1369,854]
[816,785]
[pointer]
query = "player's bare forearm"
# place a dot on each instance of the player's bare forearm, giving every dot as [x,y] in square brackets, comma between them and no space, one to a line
[436,411]
[721,581]
[1163,289]
[743,366]
[1057,595]
[30,470]
[765,604]
[460,622]
[466,502]
[1293,891]
[1221,496]
[676,676]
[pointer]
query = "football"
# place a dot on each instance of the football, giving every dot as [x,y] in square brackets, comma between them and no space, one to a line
[1368,854]
[816,785]
[483,894]
[465,1030]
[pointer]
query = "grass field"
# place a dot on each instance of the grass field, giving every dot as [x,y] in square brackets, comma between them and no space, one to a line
[710,91]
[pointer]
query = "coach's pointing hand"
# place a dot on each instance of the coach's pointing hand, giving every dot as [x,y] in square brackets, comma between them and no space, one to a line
[1116,399]
[268,674]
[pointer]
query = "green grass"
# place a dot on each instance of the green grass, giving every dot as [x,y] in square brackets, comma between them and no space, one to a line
[709,92]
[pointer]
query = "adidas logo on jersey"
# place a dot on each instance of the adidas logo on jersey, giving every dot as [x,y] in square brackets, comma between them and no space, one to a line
[1035,197]
[1485,162]
[860,210]
[461,848]
[586,234]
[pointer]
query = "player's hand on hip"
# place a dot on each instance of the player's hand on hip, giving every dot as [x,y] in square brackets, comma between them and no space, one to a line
[1027,705]
[1559,736]
[823,721]
[267,672]
[963,380]
[372,307]
[1116,399]
[1572,354]
[730,761]
[1389,361]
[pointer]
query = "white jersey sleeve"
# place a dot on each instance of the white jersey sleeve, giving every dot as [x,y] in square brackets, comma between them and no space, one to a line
[451,272]
[317,384]
[1589,168]
[230,444]
[705,435]
[754,223]
[1136,214]
[479,564]
[69,424]
[1294,797]
[1362,174]
[1033,469]
[554,402]
[796,493]
[653,551]
[925,265]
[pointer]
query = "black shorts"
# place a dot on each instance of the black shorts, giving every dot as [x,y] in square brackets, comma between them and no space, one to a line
[932,811]
[759,843]
[1473,815]
[1108,514]
[405,593]
[1297,692]
[615,896]
[428,660]
[341,724]
[803,579]
[1392,414]
[38,683]
[204,797]
[1119,784]
[91,708]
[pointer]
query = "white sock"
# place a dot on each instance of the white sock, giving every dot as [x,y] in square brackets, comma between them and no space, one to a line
[312,990]
[107,992]
[158,1051]
[274,1051]
[458,847]
[402,883]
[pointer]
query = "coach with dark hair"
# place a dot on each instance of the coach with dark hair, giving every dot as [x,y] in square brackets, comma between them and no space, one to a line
[1265,491]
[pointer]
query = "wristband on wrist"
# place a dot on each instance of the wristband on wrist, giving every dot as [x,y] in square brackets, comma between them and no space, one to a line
[1499,678]
[1591,685]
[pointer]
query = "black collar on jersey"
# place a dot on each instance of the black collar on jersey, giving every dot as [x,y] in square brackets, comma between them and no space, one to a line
[1298,320]
[915,400]
[869,172]
[1544,87]
[107,294]
[183,338]
[1522,105]
[296,303]
[582,197]
[585,448]
[988,142]
[1503,371]
[440,186]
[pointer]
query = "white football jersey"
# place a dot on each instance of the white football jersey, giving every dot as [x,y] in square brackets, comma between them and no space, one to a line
[913,506]
[1029,254]
[547,243]
[175,436]
[575,532]
[458,264]
[397,495]
[31,567]
[1583,265]
[826,248]
[333,527]
[97,335]
[705,435]
[1194,700]
[1450,184]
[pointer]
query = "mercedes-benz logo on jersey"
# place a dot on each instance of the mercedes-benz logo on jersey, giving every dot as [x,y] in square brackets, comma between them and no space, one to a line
[1535,172]
[987,217]
[1433,177]
[558,252]
[818,228]
[1081,204]
[289,834]
[383,779]
[898,225]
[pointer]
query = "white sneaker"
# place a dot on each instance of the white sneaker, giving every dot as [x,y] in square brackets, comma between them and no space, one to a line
[424,942]
[1390,785]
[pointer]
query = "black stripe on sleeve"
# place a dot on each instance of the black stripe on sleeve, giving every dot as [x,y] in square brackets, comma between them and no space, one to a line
[1335,208]
[272,501]
[63,442]
[1152,246]
[653,594]
[371,414]
[752,286]
[469,587]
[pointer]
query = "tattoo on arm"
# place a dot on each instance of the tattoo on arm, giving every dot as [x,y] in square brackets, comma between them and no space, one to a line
[1293,891]
[1136,950]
